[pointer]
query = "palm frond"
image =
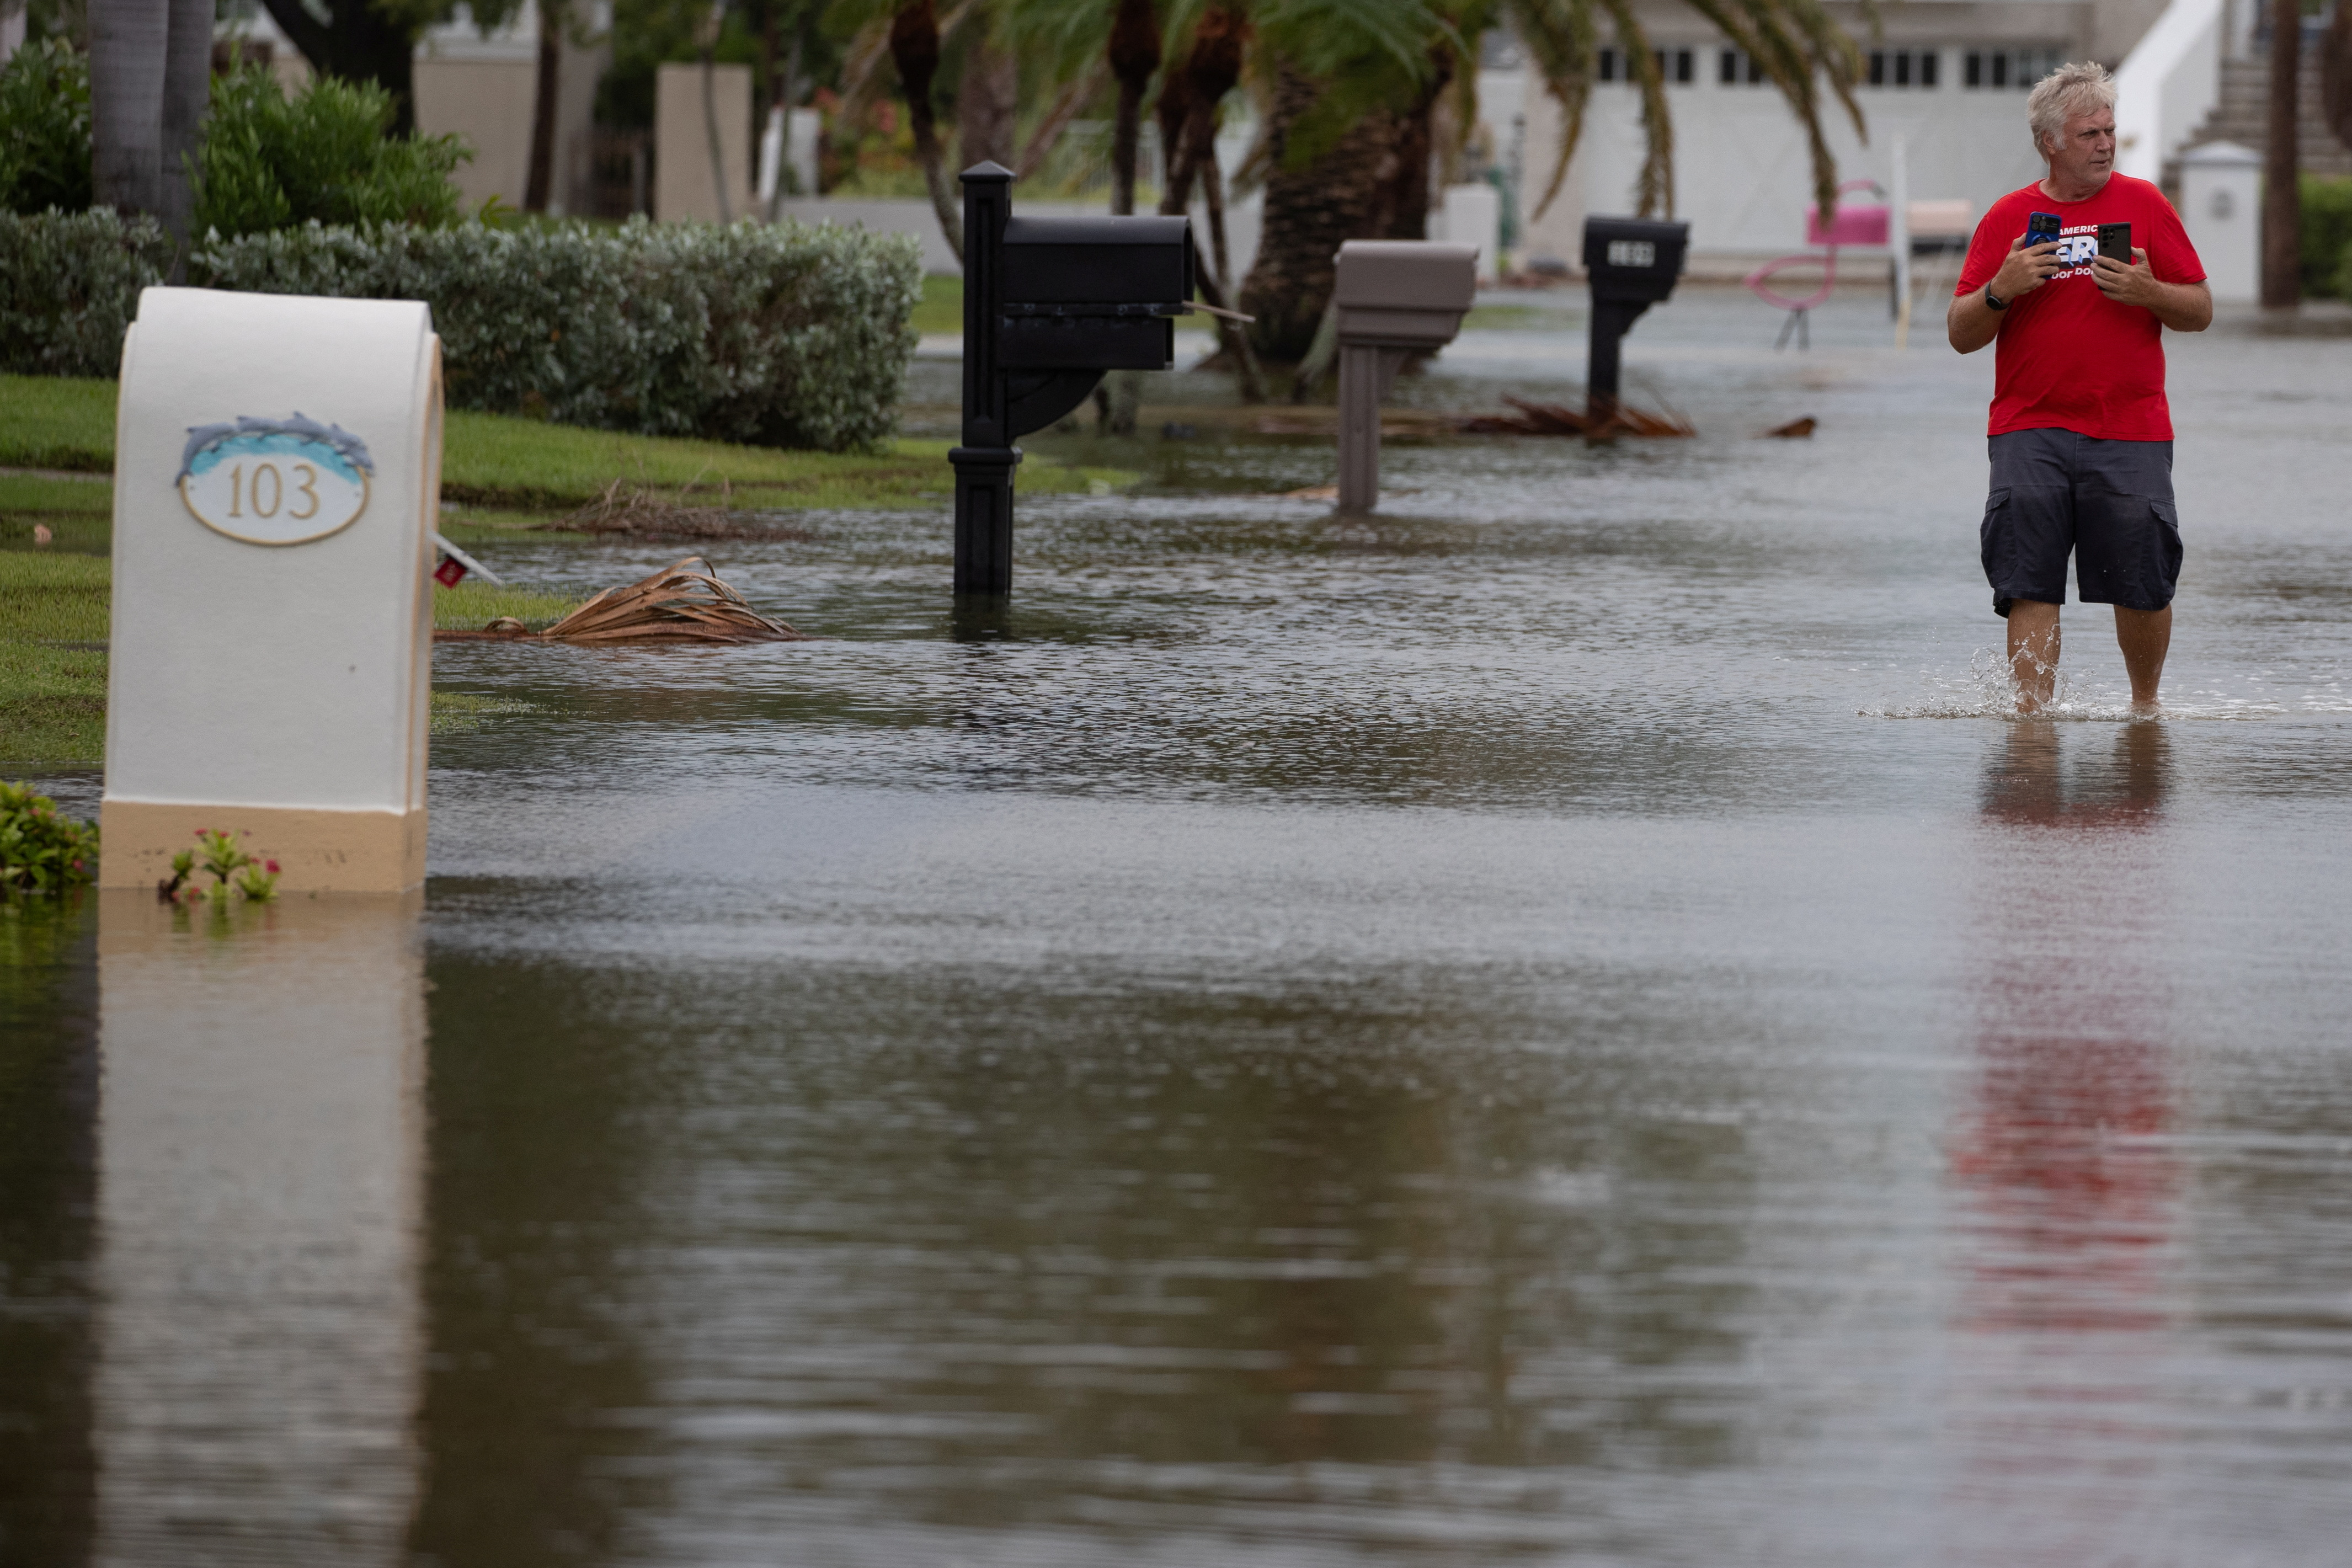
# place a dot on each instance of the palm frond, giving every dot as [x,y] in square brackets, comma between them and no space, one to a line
[1655,187]
[1558,36]
[1795,41]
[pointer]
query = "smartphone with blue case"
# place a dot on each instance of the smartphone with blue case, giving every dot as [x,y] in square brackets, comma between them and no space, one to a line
[2041,228]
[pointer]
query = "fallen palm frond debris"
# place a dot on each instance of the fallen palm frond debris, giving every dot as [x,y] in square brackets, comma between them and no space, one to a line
[1558,419]
[675,603]
[641,512]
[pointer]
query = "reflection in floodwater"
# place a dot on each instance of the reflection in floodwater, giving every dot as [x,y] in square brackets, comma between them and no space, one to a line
[260,1151]
[49,1105]
[2069,1192]
[971,1272]
[1441,1043]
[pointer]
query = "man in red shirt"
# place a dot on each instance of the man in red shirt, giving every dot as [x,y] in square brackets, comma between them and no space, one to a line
[2081,436]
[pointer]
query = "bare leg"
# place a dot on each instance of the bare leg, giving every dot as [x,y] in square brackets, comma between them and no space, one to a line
[2145,636]
[2033,652]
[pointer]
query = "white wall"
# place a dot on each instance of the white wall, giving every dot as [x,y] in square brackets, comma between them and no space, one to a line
[684,187]
[1743,174]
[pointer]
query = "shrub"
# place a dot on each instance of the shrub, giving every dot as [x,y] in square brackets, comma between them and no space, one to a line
[40,851]
[69,284]
[325,156]
[2326,236]
[44,129]
[785,335]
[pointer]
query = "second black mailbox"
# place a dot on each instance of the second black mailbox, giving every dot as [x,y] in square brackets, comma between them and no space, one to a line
[1631,264]
[1050,303]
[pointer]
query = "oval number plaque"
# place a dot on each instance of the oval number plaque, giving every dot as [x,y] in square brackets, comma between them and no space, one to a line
[275,481]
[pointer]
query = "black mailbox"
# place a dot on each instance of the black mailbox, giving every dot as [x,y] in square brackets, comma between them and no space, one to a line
[1049,304]
[1094,293]
[1631,264]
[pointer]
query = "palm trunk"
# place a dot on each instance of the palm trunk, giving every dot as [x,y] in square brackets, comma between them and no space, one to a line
[187,95]
[536,192]
[1309,212]
[710,134]
[1189,98]
[1134,57]
[914,51]
[2282,197]
[2336,74]
[129,42]
[1404,206]
[988,102]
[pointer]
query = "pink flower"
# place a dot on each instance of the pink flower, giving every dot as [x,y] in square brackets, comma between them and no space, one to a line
[273,866]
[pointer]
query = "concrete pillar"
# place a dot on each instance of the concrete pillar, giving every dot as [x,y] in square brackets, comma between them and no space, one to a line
[2222,208]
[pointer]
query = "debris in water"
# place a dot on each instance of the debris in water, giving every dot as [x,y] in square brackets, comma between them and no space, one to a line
[1793,428]
[1560,419]
[674,605]
[1313,493]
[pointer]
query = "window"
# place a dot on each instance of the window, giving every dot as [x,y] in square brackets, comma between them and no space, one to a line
[1903,67]
[1736,66]
[2018,69]
[1674,66]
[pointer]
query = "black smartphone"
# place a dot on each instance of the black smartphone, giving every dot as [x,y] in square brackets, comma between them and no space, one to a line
[2115,242]
[2041,228]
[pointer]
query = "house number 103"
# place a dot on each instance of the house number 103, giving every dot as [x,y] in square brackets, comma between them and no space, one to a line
[306,485]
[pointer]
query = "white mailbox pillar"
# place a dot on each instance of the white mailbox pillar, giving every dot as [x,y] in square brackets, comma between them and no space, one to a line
[2222,208]
[277,476]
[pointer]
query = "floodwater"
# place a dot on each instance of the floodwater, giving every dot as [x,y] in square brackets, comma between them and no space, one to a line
[1560,1024]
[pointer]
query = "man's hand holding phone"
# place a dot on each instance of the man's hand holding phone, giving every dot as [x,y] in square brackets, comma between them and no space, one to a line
[2132,283]
[2026,269]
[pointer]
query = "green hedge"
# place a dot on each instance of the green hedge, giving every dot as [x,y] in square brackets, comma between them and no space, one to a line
[2326,236]
[70,283]
[786,336]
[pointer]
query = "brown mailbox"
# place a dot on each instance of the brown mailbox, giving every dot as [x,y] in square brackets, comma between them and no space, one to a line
[1404,293]
[1393,297]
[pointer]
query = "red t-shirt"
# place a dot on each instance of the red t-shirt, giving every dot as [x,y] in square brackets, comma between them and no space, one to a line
[2069,358]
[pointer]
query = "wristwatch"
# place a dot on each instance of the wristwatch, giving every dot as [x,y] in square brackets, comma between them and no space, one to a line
[1993,300]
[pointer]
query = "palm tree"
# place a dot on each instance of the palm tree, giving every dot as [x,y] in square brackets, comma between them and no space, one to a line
[1350,87]
[151,76]
[2281,168]
[2336,74]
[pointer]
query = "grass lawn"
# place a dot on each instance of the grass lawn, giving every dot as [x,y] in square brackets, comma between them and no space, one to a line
[53,626]
[52,656]
[498,472]
[505,471]
[941,309]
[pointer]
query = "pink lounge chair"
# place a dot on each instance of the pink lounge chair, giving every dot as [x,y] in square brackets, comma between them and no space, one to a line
[1847,225]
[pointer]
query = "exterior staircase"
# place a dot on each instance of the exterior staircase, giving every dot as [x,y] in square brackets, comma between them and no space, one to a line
[2243,116]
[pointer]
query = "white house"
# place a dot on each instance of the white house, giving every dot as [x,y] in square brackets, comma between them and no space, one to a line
[1947,78]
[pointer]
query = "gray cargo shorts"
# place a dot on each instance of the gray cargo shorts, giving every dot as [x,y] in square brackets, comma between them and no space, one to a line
[2107,502]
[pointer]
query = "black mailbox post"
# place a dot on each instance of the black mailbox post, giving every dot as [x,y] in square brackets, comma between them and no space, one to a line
[1049,304]
[1631,264]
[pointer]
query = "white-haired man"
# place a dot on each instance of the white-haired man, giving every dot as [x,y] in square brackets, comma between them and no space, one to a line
[2081,436]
